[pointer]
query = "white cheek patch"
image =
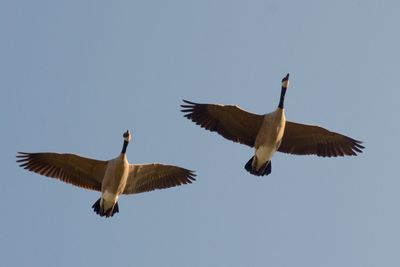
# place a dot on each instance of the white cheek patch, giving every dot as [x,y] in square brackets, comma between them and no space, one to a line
[285,84]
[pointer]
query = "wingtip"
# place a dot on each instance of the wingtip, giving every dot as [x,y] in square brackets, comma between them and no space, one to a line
[191,175]
[22,157]
[188,107]
[188,102]
[357,146]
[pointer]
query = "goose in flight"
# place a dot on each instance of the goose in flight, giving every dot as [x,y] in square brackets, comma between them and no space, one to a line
[270,132]
[113,177]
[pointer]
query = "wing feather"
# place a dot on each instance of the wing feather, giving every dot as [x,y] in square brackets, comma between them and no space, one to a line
[149,177]
[73,169]
[230,121]
[302,139]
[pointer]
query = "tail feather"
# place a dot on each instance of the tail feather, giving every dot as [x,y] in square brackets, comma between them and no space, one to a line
[96,206]
[249,165]
[109,213]
[264,170]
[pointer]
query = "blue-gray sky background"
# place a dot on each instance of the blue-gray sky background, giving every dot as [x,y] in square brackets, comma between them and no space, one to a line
[76,74]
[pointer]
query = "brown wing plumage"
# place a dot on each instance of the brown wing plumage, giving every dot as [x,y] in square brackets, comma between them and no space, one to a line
[69,168]
[231,122]
[148,177]
[302,139]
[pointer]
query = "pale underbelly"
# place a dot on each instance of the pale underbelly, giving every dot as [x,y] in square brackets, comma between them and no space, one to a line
[264,154]
[108,200]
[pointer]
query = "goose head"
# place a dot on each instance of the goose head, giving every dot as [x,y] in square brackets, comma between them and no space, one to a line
[285,81]
[127,136]
[285,84]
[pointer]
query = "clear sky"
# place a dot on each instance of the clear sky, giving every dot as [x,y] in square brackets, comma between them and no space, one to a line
[76,74]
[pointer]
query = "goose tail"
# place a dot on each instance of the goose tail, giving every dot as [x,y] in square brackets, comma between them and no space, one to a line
[109,213]
[264,170]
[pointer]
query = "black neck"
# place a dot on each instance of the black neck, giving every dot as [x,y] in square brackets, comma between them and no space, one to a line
[124,147]
[282,99]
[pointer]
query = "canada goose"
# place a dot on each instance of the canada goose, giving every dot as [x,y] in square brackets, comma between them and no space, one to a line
[269,133]
[113,177]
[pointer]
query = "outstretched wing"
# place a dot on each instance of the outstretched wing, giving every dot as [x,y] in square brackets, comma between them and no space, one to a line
[231,122]
[302,139]
[148,177]
[69,168]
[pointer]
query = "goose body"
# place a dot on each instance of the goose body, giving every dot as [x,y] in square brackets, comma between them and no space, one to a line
[114,182]
[269,133]
[113,177]
[267,142]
